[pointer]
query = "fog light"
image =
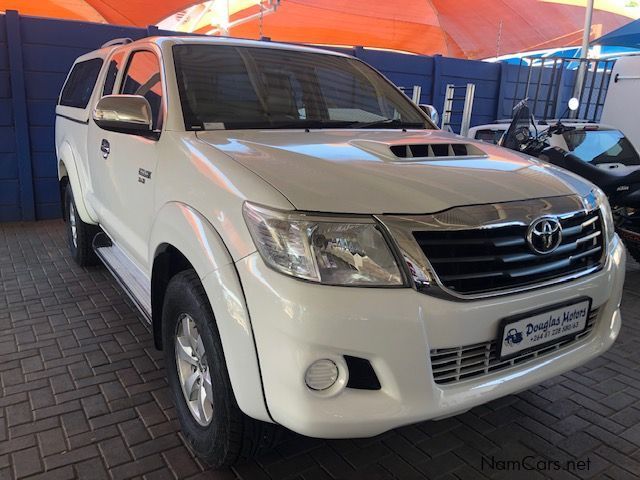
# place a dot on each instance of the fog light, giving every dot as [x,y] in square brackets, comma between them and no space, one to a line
[321,374]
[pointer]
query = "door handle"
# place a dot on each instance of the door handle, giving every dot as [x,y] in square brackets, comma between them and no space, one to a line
[105,148]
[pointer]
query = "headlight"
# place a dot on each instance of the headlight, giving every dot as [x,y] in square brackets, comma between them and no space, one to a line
[329,250]
[607,216]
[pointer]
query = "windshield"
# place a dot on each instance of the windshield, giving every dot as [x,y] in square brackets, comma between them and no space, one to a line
[230,87]
[518,131]
[601,146]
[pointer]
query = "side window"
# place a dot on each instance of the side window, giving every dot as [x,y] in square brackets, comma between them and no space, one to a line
[115,65]
[143,78]
[79,86]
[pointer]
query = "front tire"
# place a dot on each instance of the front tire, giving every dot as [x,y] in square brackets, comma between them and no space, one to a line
[212,423]
[79,234]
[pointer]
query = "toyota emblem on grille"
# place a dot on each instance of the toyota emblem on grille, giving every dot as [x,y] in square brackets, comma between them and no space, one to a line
[544,235]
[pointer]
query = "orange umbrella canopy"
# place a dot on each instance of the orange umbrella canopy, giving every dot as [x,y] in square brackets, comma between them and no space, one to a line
[462,28]
[459,28]
[120,12]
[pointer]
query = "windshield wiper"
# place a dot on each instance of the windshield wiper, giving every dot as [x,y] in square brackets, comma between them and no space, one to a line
[309,124]
[387,122]
[319,124]
[293,124]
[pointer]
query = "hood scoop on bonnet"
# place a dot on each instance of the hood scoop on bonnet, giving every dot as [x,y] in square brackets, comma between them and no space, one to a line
[436,150]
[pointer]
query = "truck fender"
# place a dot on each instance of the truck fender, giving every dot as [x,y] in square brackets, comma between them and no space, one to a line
[185,229]
[67,167]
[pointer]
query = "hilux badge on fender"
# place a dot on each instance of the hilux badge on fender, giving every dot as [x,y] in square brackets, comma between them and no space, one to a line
[544,235]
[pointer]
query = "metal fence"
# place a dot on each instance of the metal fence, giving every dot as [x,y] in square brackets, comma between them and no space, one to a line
[549,82]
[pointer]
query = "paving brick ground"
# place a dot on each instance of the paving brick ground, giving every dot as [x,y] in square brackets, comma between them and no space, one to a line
[83,395]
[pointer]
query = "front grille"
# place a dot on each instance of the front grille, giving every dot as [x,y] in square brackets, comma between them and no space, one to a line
[450,365]
[483,260]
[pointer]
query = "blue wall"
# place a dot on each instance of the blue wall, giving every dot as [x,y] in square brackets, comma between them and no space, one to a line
[9,186]
[36,54]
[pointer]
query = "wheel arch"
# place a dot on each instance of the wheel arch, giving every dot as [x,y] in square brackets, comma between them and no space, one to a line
[181,237]
[62,187]
[68,174]
[167,262]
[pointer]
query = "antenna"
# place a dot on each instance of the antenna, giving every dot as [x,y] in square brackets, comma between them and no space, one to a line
[261,19]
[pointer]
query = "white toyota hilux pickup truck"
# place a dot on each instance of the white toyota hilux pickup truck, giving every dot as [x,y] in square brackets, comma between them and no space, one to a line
[310,251]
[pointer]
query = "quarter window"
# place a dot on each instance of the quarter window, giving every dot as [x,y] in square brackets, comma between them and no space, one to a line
[143,78]
[115,65]
[79,86]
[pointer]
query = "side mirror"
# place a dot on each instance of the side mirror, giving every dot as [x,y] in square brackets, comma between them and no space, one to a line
[124,114]
[574,104]
[431,111]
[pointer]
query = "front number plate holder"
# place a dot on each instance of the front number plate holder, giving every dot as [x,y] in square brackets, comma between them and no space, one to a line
[531,331]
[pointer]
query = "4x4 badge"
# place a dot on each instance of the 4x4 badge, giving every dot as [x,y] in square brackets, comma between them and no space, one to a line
[144,175]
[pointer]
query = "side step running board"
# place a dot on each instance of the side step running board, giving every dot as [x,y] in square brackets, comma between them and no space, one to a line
[132,280]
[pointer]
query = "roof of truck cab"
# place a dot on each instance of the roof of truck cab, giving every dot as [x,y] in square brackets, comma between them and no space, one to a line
[99,53]
[238,42]
[168,41]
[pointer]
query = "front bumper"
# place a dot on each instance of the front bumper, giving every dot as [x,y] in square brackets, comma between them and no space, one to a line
[296,323]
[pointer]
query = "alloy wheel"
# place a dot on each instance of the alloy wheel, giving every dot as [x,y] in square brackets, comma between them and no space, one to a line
[193,370]
[73,224]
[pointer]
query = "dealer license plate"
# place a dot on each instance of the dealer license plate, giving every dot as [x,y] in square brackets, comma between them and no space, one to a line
[541,328]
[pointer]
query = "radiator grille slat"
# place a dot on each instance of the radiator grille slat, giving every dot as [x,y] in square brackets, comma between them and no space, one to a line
[450,365]
[482,260]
